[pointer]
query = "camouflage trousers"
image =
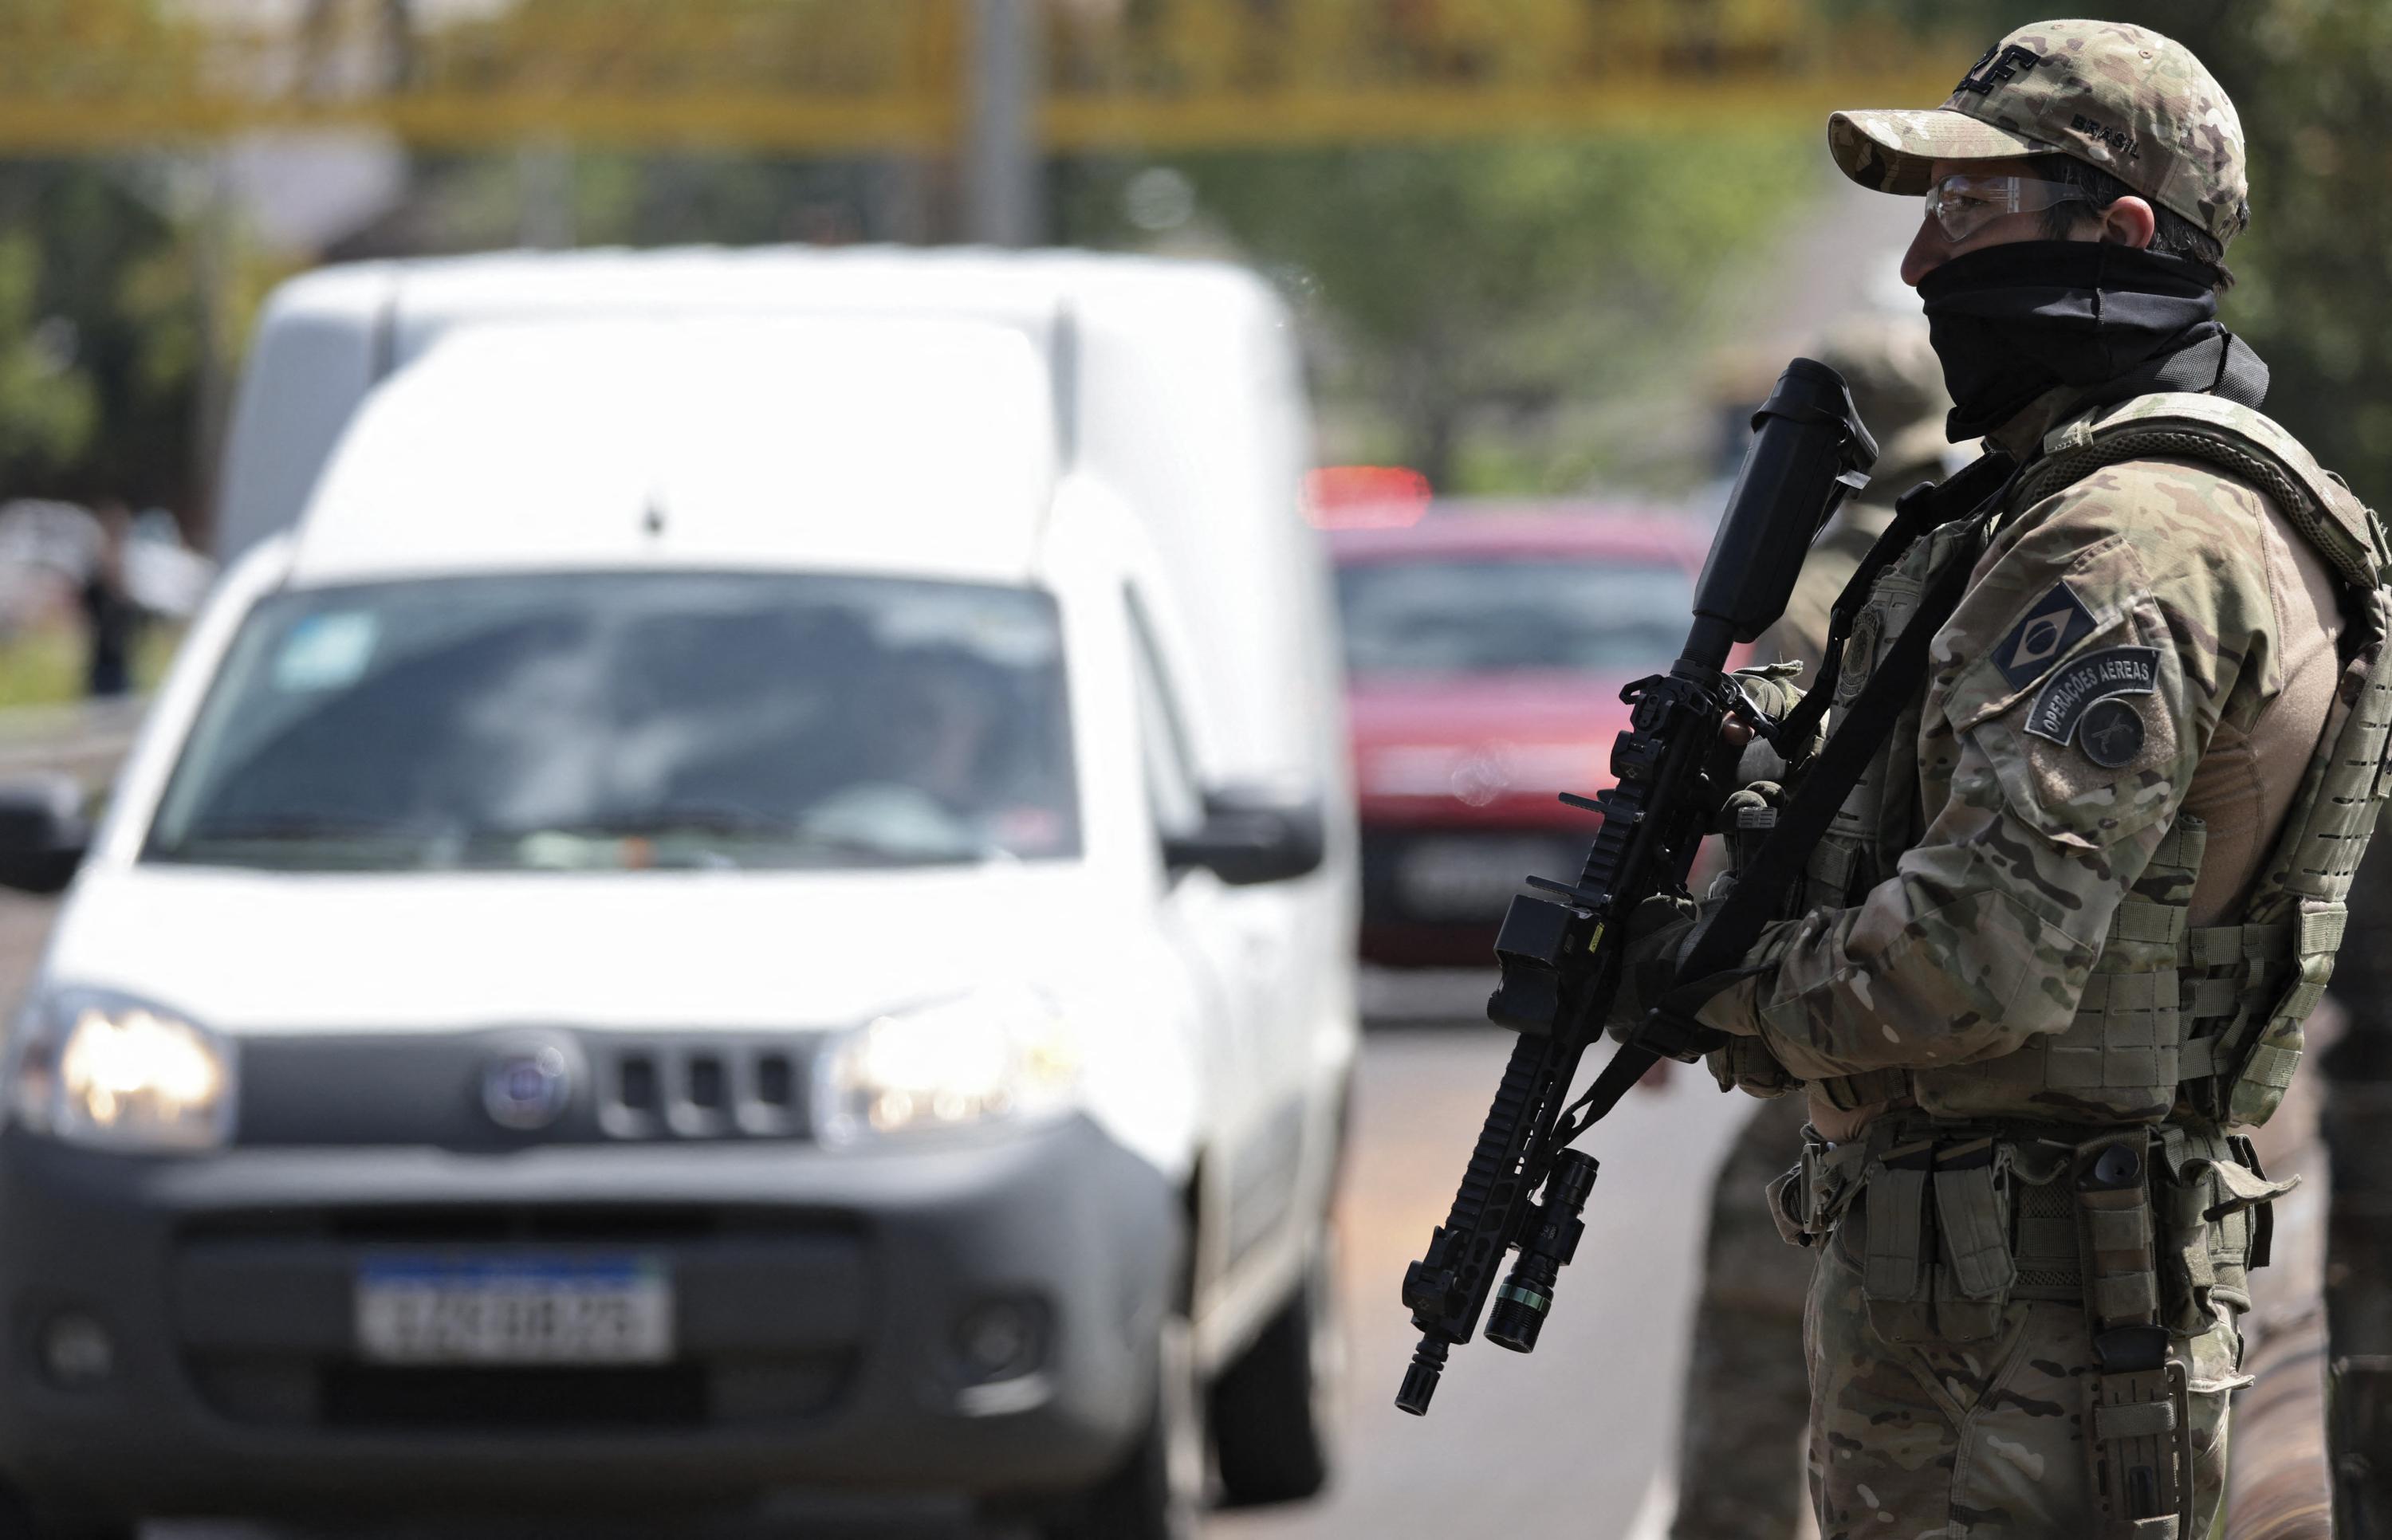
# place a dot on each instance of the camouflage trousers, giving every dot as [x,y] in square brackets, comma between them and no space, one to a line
[1976,1441]
[1747,1396]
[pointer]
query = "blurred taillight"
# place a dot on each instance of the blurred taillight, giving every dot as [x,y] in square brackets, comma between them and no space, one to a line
[1365,497]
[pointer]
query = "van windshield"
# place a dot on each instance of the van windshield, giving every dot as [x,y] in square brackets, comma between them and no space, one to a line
[627,720]
[1545,613]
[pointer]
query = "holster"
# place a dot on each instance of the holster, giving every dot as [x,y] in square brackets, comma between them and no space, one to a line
[1808,1199]
[2138,1420]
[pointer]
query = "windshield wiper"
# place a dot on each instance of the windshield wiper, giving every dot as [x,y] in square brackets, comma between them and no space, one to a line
[852,842]
[690,818]
[268,826]
[732,820]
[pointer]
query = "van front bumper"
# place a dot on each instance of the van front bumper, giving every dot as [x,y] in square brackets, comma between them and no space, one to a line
[974,1316]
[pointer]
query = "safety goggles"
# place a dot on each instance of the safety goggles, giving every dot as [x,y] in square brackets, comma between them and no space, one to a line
[1962,204]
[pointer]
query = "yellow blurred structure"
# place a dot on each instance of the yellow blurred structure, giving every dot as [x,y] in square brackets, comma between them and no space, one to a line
[865,76]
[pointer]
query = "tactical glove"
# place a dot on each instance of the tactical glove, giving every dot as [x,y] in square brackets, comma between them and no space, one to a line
[1745,1064]
[1658,933]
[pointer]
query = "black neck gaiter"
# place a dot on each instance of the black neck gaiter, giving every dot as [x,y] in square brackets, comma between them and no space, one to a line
[2010,322]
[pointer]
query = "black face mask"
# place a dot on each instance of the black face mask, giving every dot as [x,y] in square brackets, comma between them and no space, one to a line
[2010,322]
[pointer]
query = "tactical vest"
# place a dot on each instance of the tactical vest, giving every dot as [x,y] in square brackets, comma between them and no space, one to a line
[2204,1019]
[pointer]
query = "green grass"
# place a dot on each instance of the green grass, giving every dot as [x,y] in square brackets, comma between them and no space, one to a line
[45,665]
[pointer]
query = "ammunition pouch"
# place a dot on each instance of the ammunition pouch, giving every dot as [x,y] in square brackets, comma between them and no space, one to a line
[1964,1218]
[2241,1052]
[1937,1265]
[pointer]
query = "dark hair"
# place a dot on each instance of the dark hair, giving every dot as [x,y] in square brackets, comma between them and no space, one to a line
[2172,233]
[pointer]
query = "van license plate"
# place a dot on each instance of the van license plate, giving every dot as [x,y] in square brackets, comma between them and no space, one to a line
[593,1311]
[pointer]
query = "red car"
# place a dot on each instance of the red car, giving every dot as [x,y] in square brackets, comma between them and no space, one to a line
[1484,652]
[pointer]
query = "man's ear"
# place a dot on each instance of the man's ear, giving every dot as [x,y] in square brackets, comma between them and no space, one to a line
[2130,221]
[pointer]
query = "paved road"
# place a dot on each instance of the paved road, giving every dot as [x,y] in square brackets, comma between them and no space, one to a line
[1594,1407]
[1571,1442]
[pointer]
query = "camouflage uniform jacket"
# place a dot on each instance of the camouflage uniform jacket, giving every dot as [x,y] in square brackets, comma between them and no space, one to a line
[2153,627]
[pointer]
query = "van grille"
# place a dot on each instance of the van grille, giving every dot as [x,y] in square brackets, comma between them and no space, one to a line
[414,1088]
[707,1089]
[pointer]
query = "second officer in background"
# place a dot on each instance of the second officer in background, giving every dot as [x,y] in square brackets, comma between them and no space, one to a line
[1748,1394]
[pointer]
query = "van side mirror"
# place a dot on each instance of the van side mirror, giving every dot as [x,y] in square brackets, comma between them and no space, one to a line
[1253,835]
[42,832]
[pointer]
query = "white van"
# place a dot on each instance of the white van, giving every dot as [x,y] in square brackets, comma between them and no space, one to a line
[746,888]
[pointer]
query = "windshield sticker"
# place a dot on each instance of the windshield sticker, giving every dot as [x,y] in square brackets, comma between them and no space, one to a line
[327,652]
[1000,628]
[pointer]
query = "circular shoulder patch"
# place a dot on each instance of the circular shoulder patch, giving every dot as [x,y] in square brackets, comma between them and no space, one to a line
[1860,656]
[2110,734]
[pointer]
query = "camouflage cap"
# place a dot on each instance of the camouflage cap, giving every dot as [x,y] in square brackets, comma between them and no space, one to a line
[2124,99]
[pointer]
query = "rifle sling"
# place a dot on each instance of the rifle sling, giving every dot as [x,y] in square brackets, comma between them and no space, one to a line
[1915,512]
[1711,964]
[1713,960]
[2220,364]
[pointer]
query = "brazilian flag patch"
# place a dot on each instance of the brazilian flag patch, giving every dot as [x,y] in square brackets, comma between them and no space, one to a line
[2042,638]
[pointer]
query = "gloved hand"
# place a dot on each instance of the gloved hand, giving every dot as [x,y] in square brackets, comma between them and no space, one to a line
[1746,821]
[1746,1064]
[1656,932]
[1771,685]
[1771,688]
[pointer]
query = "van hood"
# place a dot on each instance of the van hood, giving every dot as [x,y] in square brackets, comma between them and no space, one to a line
[252,952]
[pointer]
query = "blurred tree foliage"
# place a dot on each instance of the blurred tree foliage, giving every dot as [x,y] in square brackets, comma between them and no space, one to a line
[48,407]
[98,336]
[1492,311]
[469,202]
[1475,291]
[2313,79]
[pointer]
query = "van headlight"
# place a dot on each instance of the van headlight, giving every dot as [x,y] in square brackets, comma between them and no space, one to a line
[993,1054]
[95,1068]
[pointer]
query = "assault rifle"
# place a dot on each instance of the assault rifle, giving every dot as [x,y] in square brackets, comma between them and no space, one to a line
[1673,769]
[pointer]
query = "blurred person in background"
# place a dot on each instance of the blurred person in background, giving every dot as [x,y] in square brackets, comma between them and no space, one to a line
[111,618]
[2065,930]
[1746,1407]
[948,760]
[2359,1276]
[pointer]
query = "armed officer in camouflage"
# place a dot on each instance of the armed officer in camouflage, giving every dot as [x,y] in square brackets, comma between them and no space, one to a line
[2127,680]
[1745,1411]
